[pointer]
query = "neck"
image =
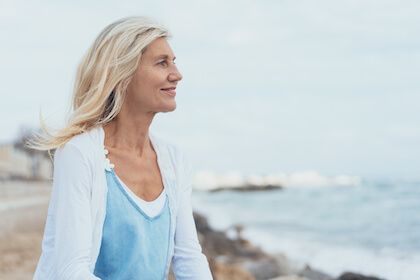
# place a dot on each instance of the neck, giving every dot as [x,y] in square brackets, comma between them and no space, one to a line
[130,133]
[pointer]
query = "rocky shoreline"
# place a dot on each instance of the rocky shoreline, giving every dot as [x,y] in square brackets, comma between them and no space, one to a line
[248,188]
[238,259]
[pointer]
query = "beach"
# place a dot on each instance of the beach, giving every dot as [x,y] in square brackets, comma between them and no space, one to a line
[23,209]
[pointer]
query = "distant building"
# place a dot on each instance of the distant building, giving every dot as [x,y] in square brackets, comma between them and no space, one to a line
[17,164]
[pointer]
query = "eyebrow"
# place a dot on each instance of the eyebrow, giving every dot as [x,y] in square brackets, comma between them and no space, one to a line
[165,56]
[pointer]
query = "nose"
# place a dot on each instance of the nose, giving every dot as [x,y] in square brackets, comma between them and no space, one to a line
[175,75]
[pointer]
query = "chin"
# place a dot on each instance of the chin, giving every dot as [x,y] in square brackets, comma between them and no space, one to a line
[168,109]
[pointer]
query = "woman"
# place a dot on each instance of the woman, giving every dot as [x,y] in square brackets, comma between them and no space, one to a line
[120,205]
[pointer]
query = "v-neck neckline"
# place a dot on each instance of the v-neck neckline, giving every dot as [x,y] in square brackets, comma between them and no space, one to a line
[155,148]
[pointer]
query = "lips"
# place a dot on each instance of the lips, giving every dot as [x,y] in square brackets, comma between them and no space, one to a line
[170,91]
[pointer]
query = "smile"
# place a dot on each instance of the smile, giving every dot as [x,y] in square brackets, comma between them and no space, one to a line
[169,91]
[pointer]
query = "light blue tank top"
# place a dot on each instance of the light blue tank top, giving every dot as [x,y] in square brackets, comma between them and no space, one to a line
[134,246]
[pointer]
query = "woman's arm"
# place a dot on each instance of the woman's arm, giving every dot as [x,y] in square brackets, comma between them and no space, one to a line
[189,262]
[68,234]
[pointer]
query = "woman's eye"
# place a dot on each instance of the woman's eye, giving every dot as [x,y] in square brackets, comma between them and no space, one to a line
[164,63]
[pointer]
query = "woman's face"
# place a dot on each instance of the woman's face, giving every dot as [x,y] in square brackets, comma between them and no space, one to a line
[152,88]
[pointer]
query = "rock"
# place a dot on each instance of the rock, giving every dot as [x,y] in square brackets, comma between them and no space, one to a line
[223,271]
[247,188]
[216,243]
[263,269]
[313,274]
[229,256]
[284,264]
[290,277]
[355,276]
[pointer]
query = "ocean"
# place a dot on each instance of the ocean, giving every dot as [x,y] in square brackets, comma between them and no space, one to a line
[372,228]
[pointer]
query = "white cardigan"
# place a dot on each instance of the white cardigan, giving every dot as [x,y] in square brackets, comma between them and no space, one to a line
[76,212]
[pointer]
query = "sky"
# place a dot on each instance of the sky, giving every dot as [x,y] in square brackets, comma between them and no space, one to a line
[268,86]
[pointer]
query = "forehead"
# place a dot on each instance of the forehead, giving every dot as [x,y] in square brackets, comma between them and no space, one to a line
[157,48]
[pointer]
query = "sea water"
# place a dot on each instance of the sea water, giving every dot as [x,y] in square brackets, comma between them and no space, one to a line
[372,228]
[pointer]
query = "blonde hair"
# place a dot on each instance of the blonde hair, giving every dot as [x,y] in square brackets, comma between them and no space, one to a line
[102,78]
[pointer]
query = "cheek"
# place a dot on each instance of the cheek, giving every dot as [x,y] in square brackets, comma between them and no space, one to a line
[137,84]
[148,81]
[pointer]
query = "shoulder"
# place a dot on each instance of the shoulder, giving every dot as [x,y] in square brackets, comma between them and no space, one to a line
[86,140]
[177,157]
[167,147]
[83,147]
